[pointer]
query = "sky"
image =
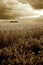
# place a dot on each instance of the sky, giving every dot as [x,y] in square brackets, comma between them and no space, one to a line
[12,9]
[37,4]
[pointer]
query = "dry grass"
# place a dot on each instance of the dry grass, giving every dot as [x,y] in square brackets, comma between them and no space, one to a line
[21,44]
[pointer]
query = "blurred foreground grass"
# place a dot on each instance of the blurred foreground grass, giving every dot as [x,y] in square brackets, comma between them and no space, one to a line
[21,44]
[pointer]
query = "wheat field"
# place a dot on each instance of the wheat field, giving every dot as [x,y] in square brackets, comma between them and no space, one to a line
[21,43]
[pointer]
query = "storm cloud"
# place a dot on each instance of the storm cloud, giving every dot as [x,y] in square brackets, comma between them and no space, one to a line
[36,4]
[13,9]
[7,9]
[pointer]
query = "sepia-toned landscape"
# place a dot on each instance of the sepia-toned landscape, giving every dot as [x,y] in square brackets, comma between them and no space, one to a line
[21,32]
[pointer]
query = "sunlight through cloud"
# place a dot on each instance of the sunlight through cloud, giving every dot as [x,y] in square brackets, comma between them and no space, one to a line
[15,8]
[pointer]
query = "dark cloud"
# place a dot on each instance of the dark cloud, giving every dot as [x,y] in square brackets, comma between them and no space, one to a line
[8,9]
[5,10]
[37,4]
[11,9]
[23,1]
